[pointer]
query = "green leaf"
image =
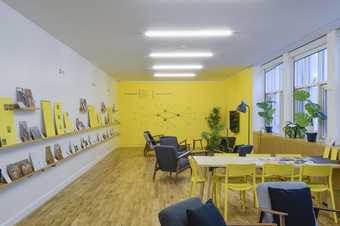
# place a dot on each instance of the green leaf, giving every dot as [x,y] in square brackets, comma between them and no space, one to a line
[301,95]
[302,119]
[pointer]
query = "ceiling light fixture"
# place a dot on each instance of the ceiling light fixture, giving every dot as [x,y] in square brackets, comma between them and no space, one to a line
[175,67]
[187,33]
[180,54]
[173,75]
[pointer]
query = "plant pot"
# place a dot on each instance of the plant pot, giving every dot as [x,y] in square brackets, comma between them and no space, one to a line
[311,137]
[269,129]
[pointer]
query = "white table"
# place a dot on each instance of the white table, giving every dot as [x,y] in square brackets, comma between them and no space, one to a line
[212,162]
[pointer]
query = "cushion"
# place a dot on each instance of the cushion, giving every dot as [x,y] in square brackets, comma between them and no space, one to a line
[296,202]
[206,215]
[176,215]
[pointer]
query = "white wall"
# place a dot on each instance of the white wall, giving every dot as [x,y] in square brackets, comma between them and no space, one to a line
[31,58]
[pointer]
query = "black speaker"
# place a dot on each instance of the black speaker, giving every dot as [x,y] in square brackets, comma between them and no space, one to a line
[234,121]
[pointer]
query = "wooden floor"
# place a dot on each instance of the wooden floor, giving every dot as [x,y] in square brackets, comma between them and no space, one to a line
[119,191]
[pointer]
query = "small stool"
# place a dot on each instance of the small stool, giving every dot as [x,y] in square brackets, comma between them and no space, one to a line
[194,144]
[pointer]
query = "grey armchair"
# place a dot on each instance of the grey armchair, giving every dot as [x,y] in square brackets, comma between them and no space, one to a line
[176,215]
[150,142]
[264,200]
[173,141]
[169,160]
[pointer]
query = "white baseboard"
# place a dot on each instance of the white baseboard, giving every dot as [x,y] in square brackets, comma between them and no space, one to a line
[50,194]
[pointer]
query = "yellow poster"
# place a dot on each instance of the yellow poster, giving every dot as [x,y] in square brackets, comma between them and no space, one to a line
[7,126]
[100,119]
[110,116]
[46,110]
[58,118]
[67,122]
[92,116]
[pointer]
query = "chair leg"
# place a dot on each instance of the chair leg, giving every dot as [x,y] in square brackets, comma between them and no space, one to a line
[154,172]
[146,149]
[331,192]
[193,189]
[202,191]
[225,204]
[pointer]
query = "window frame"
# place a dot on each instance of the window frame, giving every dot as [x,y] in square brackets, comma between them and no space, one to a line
[268,67]
[321,85]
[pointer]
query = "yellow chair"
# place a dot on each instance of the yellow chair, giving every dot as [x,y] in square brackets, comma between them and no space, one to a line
[311,171]
[196,178]
[326,152]
[275,170]
[289,155]
[259,155]
[334,153]
[246,175]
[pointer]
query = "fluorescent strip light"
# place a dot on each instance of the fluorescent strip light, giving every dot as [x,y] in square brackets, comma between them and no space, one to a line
[173,75]
[180,54]
[175,67]
[187,33]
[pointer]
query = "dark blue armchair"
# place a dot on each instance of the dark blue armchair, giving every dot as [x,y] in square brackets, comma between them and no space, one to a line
[169,160]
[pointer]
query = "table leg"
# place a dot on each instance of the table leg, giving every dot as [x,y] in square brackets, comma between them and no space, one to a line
[209,189]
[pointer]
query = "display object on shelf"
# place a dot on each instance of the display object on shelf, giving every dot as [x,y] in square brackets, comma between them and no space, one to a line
[92,116]
[58,152]
[37,160]
[70,148]
[58,118]
[100,121]
[67,123]
[7,125]
[2,178]
[49,156]
[26,167]
[83,105]
[103,107]
[46,109]
[79,124]
[14,171]
[35,133]
[24,98]
[24,132]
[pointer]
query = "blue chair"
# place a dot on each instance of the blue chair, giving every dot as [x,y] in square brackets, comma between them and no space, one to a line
[288,192]
[176,215]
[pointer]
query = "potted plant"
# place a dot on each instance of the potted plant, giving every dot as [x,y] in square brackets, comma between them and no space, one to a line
[294,130]
[213,137]
[312,111]
[267,114]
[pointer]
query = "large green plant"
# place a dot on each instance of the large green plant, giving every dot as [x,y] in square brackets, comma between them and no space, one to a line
[267,112]
[313,110]
[213,137]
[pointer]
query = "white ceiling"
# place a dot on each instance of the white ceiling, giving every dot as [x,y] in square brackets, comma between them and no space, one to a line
[109,33]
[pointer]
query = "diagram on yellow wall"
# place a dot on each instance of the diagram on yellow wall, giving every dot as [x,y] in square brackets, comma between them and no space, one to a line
[165,116]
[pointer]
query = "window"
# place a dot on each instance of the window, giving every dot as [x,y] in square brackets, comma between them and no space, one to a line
[273,92]
[310,74]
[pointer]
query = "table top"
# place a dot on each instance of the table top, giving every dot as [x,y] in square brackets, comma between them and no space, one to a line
[222,161]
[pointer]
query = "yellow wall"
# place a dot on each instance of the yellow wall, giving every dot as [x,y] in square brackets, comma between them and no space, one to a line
[178,108]
[154,106]
[237,88]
